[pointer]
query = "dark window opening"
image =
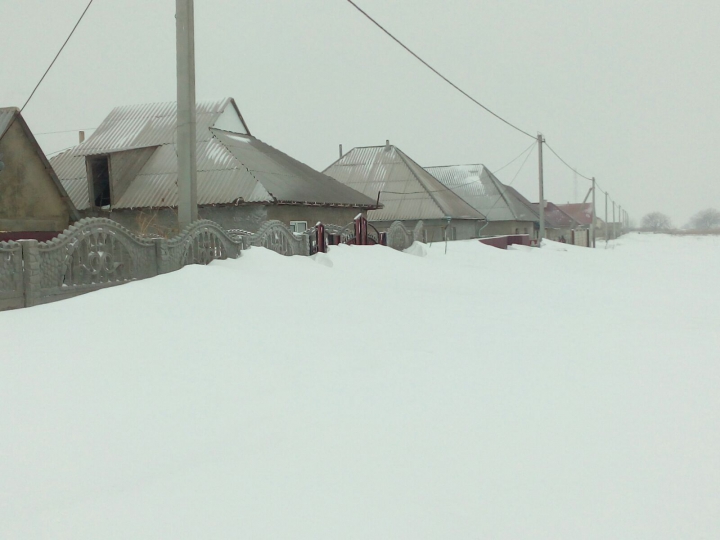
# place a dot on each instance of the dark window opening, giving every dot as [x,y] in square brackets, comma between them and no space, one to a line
[100,171]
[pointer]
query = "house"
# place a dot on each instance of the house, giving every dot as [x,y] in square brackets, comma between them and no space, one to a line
[127,171]
[559,226]
[506,210]
[582,214]
[33,202]
[407,193]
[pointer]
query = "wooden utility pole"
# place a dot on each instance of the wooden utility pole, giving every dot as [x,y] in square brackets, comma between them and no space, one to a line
[540,141]
[186,113]
[592,223]
[620,211]
[614,232]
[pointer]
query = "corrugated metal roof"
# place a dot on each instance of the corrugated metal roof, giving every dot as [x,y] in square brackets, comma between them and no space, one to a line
[407,191]
[140,126]
[285,178]
[221,179]
[232,168]
[484,192]
[71,171]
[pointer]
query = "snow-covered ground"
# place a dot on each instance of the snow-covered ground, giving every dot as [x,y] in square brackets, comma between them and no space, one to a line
[560,393]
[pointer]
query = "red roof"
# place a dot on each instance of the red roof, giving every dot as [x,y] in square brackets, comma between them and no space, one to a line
[580,212]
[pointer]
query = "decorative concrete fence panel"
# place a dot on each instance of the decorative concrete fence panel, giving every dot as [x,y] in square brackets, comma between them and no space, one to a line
[419,232]
[276,236]
[398,237]
[92,254]
[96,253]
[200,242]
[12,294]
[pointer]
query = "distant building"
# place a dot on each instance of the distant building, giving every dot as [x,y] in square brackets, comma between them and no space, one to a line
[582,214]
[506,210]
[407,193]
[127,171]
[559,226]
[33,202]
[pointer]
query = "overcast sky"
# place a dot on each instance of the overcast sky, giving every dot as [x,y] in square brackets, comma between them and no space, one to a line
[627,92]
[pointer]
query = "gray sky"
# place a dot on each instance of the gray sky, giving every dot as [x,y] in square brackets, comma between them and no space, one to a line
[624,91]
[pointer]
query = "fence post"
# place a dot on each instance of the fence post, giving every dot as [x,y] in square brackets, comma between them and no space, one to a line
[31,272]
[160,255]
[320,231]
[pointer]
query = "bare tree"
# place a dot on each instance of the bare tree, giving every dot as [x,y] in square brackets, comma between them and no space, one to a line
[656,221]
[706,220]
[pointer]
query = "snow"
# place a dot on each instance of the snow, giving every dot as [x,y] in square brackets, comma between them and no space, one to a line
[554,393]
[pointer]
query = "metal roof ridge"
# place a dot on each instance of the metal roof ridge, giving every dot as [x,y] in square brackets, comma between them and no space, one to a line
[404,158]
[258,182]
[501,189]
[456,165]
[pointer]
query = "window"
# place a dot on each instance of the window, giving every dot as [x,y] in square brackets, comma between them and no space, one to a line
[99,171]
[298,226]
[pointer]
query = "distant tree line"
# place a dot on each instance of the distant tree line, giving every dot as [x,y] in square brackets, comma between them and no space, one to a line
[705,220]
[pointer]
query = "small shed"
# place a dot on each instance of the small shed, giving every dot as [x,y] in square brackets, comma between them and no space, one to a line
[33,201]
[406,192]
[506,210]
[127,170]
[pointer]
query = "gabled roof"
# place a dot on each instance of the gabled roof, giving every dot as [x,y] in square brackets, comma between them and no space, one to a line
[404,188]
[8,115]
[580,212]
[555,218]
[484,192]
[233,166]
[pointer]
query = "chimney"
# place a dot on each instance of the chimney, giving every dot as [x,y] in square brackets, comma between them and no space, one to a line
[341,154]
[82,136]
[387,144]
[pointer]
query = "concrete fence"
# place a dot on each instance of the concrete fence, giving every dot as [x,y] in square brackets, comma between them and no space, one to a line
[399,237]
[96,253]
[278,237]
[11,276]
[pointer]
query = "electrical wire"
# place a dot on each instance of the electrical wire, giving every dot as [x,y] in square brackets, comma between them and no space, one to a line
[443,77]
[514,159]
[566,163]
[58,151]
[57,55]
[63,131]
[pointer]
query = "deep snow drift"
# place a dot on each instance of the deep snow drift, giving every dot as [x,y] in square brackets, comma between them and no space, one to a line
[370,394]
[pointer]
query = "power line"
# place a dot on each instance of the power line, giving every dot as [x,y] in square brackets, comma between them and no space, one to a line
[514,159]
[443,77]
[56,56]
[63,131]
[566,163]
[463,92]
[61,150]
[501,196]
